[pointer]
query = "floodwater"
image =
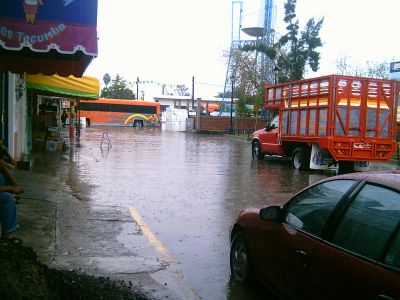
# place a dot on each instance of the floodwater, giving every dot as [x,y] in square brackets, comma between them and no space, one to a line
[188,188]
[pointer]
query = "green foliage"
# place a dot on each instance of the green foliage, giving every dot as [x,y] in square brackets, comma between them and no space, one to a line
[369,69]
[117,90]
[106,79]
[182,90]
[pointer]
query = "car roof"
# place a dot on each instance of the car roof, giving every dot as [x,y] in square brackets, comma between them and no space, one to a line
[388,178]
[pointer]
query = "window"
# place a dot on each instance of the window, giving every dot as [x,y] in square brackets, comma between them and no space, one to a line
[310,210]
[369,221]
[275,121]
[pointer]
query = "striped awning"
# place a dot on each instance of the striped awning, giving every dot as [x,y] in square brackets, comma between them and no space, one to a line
[82,88]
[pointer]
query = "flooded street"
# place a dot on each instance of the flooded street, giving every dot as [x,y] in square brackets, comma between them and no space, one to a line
[187,188]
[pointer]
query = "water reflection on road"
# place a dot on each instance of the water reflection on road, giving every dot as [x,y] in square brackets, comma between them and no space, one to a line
[187,187]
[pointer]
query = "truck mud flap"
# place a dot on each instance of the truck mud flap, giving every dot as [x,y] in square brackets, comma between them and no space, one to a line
[320,158]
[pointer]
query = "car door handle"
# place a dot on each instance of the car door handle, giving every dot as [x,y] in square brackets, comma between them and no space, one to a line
[301,253]
[384,297]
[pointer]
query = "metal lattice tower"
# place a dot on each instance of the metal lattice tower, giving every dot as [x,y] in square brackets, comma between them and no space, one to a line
[268,37]
[237,9]
[263,34]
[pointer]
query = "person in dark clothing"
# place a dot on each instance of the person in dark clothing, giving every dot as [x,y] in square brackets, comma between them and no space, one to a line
[7,162]
[64,118]
[8,188]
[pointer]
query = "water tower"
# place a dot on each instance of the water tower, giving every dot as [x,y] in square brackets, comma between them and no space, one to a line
[259,24]
[258,18]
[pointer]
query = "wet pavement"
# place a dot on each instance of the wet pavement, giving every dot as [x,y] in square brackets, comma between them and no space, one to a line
[154,209]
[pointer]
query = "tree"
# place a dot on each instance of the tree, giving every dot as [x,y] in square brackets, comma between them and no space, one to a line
[294,51]
[246,73]
[182,90]
[117,90]
[370,69]
[106,79]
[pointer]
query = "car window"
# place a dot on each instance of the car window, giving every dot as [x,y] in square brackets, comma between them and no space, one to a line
[393,256]
[311,209]
[275,121]
[369,221]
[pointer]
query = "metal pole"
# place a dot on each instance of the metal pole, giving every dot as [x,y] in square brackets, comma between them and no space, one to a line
[137,88]
[232,103]
[193,92]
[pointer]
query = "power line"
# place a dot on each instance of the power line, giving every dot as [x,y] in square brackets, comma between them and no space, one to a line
[212,84]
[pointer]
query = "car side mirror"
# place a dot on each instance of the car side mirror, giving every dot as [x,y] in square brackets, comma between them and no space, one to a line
[270,213]
[269,127]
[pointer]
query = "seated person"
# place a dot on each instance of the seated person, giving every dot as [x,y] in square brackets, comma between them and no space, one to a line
[7,163]
[8,210]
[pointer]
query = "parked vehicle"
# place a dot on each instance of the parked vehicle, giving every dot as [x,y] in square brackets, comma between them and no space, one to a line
[336,239]
[328,120]
[119,112]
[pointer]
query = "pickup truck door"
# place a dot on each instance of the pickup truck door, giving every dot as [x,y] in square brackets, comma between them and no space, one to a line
[270,141]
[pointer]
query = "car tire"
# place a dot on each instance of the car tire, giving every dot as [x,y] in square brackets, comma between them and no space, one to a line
[240,260]
[256,150]
[301,159]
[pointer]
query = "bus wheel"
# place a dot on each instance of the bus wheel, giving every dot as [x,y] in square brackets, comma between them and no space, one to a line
[138,123]
[301,159]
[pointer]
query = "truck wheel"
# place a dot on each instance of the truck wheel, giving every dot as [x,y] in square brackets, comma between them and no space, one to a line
[256,150]
[301,159]
[346,167]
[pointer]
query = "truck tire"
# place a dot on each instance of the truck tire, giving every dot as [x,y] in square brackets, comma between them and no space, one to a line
[346,167]
[256,150]
[301,159]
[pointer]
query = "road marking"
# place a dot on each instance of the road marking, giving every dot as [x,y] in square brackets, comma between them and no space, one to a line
[149,234]
[190,293]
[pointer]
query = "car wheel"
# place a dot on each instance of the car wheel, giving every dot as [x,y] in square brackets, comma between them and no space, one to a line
[301,159]
[240,261]
[256,150]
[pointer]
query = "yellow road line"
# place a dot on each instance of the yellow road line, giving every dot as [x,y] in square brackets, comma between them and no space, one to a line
[149,234]
[162,250]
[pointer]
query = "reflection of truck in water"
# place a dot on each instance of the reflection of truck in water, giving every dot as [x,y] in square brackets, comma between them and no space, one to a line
[327,120]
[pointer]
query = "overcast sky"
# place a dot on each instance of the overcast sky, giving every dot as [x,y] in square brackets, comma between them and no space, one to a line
[171,41]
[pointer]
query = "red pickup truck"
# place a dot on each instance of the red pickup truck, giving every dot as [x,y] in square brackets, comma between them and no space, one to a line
[334,119]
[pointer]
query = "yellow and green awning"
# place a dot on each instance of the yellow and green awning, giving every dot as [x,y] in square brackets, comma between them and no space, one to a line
[74,87]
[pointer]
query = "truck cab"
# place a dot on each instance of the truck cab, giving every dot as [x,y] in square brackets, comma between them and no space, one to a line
[267,141]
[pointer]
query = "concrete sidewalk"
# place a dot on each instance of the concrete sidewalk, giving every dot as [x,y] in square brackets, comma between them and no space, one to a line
[68,232]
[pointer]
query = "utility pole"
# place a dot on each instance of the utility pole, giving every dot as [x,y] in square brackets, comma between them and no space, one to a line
[233,86]
[137,88]
[193,92]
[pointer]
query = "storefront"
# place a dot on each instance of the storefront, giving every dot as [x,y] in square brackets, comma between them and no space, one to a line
[49,99]
[51,37]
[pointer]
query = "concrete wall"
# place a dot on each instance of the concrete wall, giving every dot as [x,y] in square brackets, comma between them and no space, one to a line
[223,124]
[17,115]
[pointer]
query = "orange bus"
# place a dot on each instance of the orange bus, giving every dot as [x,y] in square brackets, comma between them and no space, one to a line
[118,112]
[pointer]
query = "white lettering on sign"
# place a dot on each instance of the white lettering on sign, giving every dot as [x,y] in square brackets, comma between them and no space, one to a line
[40,38]
[67,2]
[5,32]
[395,66]
[362,146]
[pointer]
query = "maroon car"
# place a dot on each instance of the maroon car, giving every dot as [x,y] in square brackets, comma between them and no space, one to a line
[336,239]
